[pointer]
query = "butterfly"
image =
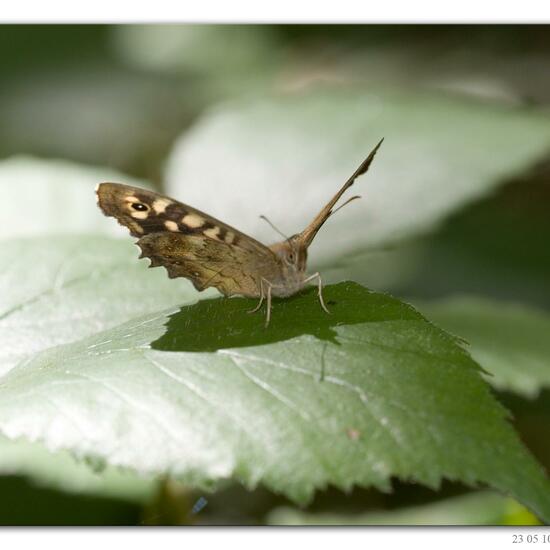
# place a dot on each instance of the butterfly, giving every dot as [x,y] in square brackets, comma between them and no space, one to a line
[210,253]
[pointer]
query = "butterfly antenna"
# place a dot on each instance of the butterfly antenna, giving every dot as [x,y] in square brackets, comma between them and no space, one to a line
[273,227]
[342,205]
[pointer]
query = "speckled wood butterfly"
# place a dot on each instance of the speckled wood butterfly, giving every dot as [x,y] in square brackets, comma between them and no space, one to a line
[194,245]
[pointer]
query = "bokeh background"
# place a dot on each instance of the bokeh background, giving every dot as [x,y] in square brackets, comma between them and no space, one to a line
[233,120]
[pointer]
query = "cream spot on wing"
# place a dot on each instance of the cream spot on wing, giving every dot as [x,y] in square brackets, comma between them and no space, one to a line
[131,198]
[229,237]
[192,220]
[139,215]
[171,226]
[212,232]
[159,205]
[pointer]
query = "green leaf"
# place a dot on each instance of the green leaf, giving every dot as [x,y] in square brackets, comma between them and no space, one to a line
[205,393]
[481,508]
[79,286]
[438,154]
[54,197]
[509,340]
[55,290]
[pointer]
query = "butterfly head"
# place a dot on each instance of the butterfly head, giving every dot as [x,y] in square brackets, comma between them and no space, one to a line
[292,253]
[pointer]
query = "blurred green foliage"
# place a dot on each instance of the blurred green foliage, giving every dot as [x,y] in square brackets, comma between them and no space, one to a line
[121,96]
[471,509]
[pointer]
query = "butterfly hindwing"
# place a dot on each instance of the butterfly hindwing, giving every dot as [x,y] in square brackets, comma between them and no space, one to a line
[205,262]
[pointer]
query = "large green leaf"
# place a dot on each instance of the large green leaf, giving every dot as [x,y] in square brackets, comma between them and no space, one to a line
[42,302]
[205,393]
[509,340]
[287,155]
[55,290]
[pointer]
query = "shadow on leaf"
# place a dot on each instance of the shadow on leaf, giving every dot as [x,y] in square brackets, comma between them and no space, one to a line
[224,323]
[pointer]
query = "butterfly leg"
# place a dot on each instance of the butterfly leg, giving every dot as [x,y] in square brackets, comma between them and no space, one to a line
[320,287]
[264,283]
[268,317]
[261,298]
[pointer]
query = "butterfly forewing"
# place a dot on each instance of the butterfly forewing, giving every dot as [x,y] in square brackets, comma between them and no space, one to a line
[188,242]
[145,212]
[308,234]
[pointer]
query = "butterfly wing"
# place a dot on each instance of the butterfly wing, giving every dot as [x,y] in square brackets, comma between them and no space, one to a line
[207,263]
[305,238]
[188,242]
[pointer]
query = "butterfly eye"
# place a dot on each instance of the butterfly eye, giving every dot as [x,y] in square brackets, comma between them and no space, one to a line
[290,257]
[139,206]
